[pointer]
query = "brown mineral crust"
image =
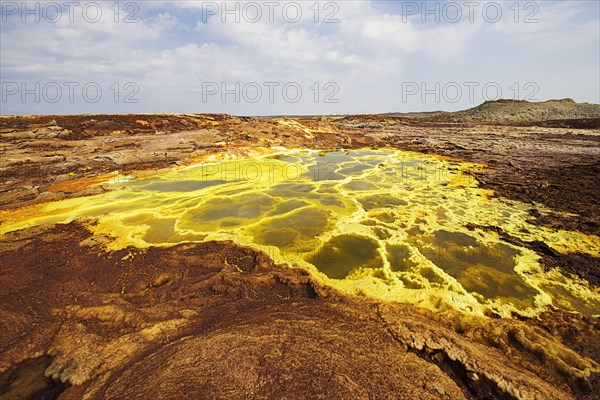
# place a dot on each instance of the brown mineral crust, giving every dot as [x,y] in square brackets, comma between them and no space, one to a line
[218,320]
[73,127]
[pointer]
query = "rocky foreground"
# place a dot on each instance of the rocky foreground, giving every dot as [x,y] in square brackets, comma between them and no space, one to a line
[219,320]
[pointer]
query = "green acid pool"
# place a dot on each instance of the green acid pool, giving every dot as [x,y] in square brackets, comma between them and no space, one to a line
[382,223]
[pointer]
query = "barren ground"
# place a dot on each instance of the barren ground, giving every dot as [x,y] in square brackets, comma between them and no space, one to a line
[219,320]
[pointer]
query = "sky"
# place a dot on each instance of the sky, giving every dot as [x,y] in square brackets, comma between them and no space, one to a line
[293,58]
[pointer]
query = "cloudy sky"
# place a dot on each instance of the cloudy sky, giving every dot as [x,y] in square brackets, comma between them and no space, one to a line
[304,57]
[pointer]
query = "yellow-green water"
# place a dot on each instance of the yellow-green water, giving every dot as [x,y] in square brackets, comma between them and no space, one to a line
[383,223]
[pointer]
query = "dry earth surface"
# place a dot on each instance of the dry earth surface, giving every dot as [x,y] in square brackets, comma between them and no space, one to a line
[219,320]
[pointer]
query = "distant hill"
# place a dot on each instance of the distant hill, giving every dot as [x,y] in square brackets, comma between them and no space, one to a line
[521,111]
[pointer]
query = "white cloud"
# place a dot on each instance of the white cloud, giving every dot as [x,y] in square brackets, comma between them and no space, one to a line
[368,54]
